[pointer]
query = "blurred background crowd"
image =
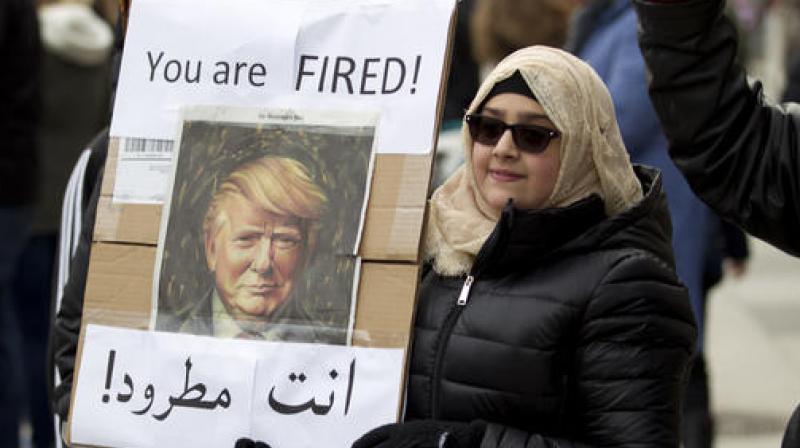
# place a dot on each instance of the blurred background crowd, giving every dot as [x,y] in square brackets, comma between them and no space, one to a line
[55,95]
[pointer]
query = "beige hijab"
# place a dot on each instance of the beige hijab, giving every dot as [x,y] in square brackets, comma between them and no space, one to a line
[593,157]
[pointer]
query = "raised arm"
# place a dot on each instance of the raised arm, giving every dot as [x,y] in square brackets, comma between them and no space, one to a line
[739,153]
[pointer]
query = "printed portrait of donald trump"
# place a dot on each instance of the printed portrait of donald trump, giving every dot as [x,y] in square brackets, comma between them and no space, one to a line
[259,232]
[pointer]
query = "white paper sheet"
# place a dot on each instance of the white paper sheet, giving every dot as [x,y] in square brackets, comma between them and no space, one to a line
[150,389]
[279,54]
[165,37]
[334,390]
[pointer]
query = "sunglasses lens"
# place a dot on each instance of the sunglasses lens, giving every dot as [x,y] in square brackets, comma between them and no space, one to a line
[488,131]
[531,139]
[485,130]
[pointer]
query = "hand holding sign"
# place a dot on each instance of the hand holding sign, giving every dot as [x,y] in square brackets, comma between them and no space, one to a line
[428,433]
[244,442]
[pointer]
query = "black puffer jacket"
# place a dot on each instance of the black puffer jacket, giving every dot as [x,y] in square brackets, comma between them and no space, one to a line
[738,152]
[575,332]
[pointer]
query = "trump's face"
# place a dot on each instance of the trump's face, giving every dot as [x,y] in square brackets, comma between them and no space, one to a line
[254,255]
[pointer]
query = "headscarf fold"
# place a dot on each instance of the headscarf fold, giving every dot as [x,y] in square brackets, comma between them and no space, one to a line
[593,156]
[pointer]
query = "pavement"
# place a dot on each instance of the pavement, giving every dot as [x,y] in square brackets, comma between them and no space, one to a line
[753,349]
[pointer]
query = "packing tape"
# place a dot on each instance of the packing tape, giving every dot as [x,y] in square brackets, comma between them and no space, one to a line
[405,232]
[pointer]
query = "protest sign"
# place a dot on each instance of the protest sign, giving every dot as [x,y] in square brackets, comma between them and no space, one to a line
[331,56]
[164,389]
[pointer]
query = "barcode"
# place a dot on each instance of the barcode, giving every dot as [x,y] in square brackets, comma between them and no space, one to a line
[142,146]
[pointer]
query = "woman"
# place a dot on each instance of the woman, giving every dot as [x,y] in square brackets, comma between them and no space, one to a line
[551,315]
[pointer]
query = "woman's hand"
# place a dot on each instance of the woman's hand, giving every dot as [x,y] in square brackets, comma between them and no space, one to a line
[424,434]
[244,442]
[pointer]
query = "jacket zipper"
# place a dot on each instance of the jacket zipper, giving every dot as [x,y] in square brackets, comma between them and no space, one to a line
[481,260]
[445,333]
[464,296]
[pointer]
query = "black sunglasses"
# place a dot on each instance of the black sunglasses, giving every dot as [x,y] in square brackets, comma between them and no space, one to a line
[528,137]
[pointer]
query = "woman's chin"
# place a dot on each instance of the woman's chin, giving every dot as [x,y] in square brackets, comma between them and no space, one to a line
[498,201]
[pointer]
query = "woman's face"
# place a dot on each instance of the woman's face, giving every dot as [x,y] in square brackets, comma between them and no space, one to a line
[503,171]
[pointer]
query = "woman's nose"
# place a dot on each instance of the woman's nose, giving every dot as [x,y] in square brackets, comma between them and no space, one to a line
[505,147]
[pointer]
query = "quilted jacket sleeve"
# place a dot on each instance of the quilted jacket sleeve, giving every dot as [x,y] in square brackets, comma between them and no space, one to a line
[629,365]
[739,153]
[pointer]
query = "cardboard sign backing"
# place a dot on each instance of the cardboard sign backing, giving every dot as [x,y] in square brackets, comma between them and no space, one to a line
[120,275]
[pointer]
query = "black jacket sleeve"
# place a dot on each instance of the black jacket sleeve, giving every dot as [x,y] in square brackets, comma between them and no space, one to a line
[630,363]
[67,321]
[739,153]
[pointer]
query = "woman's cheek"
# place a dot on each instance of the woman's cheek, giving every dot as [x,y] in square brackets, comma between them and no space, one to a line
[480,162]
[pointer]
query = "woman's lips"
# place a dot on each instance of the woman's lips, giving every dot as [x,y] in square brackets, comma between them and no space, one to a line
[504,176]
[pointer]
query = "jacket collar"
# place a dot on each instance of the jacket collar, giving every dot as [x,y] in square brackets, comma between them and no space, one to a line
[525,237]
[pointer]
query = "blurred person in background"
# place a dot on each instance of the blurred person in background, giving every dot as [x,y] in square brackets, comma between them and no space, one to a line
[462,83]
[501,27]
[738,151]
[489,30]
[74,83]
[604,34]
[726,256]
[19,115]
[486,32]
[791,90]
